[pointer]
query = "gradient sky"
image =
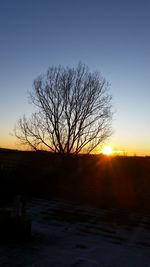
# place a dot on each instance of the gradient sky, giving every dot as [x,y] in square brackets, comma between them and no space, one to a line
[111,36]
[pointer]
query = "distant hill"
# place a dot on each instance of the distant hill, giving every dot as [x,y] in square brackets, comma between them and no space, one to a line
[7,150]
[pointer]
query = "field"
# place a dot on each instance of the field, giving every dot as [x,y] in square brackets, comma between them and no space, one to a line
[85,210]
[118,182]
[67,234]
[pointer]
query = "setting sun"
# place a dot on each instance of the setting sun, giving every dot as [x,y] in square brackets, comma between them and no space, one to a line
[107,150]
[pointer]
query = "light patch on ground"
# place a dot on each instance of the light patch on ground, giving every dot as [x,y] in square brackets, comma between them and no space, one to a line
[66,234]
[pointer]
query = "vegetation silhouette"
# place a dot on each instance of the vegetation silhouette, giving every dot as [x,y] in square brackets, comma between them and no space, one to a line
[73,111]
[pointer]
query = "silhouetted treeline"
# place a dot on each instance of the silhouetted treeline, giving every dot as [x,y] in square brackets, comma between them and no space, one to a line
[122,182]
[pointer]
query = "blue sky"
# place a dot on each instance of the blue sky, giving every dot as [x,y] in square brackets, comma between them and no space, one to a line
[110,36]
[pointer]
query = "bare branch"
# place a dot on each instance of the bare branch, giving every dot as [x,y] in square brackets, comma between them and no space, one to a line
[73,111]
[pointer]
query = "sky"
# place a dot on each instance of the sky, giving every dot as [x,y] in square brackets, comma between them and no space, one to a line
[110,36]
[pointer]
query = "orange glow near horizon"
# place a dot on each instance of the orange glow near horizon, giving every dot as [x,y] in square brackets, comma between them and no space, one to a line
[109,151]
[10,142]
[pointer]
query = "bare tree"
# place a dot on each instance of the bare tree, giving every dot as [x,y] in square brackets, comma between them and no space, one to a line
[73,111]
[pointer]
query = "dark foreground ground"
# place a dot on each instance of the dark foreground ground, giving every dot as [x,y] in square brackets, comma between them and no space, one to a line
[66,234]
[85,211]
[100,181]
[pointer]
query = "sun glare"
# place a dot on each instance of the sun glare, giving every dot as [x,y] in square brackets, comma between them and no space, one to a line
[107,150]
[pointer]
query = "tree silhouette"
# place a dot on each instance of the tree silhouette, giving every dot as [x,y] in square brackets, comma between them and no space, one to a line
[73,111]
